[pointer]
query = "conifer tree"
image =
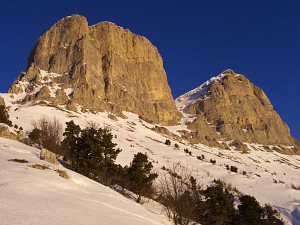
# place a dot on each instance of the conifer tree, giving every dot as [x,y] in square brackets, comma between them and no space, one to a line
[92,151]
[69,143]
[271,216]
[88,153]
[218,207]
[109,169]
[250,212]
[109,151]
[140,175]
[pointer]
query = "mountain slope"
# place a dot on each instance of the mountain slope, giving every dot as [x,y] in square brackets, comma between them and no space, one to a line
[269,176]
[109,76]
[32,196]
[230,107]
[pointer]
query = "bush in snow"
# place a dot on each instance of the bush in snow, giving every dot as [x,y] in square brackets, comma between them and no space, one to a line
[48,133]
[176,195]
[233,169]
[167,142]
[212,161]
[187,151]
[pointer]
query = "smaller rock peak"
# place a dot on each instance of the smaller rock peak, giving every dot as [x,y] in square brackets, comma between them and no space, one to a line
[75,17]
[228,72]
[107,24]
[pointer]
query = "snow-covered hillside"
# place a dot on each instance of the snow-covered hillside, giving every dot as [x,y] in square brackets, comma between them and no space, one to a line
[33,196]
[268,176]
[198,93]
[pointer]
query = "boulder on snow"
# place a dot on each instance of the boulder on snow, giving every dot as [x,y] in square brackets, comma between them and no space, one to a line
[2,102]
[48,156]
[6,133]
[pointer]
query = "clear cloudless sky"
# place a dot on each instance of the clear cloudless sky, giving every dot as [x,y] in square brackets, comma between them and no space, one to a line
[196,39]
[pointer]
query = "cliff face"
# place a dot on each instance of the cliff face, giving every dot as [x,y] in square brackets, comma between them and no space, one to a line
[229,107]
[99,67]
[107,68]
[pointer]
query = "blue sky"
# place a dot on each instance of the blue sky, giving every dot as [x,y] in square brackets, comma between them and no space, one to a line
[196,39]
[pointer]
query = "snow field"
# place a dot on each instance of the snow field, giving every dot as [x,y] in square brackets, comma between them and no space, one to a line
[269,175]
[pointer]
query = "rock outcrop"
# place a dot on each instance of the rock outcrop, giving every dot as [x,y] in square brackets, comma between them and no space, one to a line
[2,102]
[229,107]
[107,68]
[48,156]
[6,133]
[99,68]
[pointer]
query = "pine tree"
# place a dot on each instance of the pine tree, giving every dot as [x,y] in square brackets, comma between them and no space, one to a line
[271,216]
[69,143]
[140,176]
[71,133]
[109,169]
[110,153]
[250,212]
[92,151]
[88,153]
[218,207]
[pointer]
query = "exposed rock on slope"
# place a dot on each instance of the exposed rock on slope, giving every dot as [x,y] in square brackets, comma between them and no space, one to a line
[6,133]
[99,67]
[229,107]
[2,102]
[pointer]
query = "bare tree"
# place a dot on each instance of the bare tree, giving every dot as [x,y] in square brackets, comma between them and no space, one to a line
[175,193]
[92,125]
[50,133]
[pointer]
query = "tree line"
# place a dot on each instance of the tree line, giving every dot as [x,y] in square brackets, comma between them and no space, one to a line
[186,201]
[92,153]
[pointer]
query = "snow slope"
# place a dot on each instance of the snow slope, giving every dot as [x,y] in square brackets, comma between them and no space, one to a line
[269,176]
[191,97]
[32,196]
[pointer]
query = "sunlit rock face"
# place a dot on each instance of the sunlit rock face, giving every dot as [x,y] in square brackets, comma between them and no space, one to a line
[99,68]
[229,107]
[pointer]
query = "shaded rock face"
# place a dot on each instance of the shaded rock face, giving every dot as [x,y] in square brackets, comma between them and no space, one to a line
[99,67]
[229,107]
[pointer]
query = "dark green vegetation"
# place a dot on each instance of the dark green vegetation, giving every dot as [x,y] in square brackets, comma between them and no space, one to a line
[234,169]
[91,150]
[92,153]
[185,201]
[140,176]
[167,142]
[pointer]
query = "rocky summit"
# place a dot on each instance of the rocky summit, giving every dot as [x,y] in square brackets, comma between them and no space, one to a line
[229,110]
[105,67]
[98,68]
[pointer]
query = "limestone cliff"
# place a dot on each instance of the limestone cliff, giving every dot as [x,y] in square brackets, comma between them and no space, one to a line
[229,107]
[99,67]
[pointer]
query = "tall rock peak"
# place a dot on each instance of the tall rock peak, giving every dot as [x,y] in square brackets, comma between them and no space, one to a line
[230,108]
[101,68]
